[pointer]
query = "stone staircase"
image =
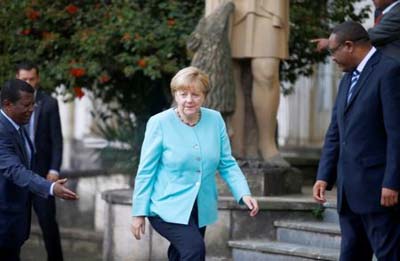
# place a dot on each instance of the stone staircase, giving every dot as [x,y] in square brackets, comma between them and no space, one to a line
[295,241]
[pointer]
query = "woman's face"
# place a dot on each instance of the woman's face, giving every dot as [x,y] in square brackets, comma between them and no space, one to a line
[189,101]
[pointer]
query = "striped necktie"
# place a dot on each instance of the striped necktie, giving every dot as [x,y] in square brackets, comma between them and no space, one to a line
[378,19]
[354,78]
[26,142]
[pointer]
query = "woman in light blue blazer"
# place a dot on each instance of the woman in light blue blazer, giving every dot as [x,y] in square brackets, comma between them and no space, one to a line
[183,149]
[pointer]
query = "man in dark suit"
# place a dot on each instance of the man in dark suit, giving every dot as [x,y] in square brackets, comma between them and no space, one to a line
[362,147]
[17,181]
[44,130]
[385,35]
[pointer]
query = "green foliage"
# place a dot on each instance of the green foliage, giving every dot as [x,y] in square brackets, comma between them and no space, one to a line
[124,51]
[318,212]
[123,134]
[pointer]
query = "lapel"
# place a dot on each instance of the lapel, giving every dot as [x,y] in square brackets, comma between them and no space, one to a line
[17,139]
[362,81]
[342,96]
[38,108]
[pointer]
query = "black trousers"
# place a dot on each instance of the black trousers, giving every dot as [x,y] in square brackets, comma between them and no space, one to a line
[365,234]
[187,241]
[9,254]
[45,210]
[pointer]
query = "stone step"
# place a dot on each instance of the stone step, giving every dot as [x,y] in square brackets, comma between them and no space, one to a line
[316,234]
[264,250]
[330,213]
[213,258]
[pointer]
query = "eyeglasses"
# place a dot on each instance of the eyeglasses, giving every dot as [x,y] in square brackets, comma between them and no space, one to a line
[334,50]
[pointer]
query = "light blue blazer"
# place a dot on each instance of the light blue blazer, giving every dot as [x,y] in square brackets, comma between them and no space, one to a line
[178,164]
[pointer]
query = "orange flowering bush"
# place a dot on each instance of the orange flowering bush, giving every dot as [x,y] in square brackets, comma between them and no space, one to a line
[79,93]
[72,9]
[123,51]
[32,14]
[77,72]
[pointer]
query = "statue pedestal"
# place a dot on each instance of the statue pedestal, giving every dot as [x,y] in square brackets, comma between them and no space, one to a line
[267,180]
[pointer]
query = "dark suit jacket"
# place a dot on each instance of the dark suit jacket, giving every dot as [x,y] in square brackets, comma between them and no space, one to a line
[16,183]
[362,145]
[386,34]
[48,135]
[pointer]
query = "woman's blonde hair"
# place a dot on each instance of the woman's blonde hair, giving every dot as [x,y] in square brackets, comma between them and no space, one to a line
[190,77]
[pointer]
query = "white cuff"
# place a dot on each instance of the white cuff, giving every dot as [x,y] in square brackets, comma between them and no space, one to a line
[52,188]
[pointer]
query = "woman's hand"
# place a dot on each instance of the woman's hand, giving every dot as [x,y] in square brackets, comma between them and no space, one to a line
[137,226]
[252,204]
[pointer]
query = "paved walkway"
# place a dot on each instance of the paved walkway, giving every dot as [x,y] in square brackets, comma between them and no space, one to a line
[31,251]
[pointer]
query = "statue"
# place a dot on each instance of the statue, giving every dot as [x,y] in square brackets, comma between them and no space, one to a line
[259,34]
[210,44]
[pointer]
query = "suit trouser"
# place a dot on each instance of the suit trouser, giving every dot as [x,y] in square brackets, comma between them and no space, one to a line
[187,241]
[365,234]
[9,254]
[45,210]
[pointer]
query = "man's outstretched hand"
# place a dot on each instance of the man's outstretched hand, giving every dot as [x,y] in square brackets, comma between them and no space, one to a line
[61,191]
[322,44]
